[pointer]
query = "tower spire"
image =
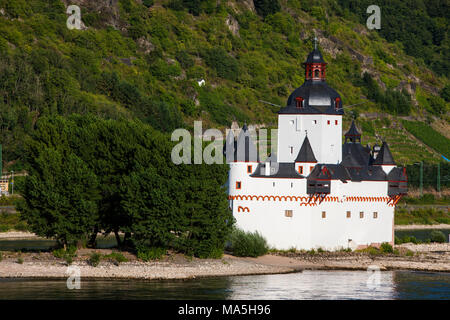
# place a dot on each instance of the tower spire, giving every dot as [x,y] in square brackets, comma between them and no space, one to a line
[315,42]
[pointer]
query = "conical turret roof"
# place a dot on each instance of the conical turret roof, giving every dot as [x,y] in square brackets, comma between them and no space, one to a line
[306,153]
[353,131]
[384,156]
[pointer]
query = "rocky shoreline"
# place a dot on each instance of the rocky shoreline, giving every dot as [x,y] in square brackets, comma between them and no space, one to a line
[423,257]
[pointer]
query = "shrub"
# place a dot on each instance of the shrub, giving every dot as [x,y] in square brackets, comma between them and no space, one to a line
[437,236]
[150,253]
[67,254]
[116,256]
[94,259]
[20,260]
[225,65]
[248,244]
[386,248]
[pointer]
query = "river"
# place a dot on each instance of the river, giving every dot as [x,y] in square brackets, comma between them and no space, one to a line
[305,285]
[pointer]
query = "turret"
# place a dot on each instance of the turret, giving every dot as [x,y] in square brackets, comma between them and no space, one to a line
[305,161]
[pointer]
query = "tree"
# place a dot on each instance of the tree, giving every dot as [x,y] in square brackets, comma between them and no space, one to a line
[60,197]
[266,7]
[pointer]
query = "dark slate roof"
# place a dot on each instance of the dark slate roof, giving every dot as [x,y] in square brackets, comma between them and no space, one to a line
[384,156]
[242,149]
[397,174]
[349,161]
[277,170]
[315,56]
[318,99]
[367,173]
[306,153]
[358,154]
[329,172]
[353,131]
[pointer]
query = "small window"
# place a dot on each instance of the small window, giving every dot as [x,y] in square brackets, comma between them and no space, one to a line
[311,168]
[335,122]
[361,214]
[238,185]
[314,121]
[300,169]
[274,184]
[349,214]
[328,122]
[249,169]
[299,102]
[292,184]
[375,215]
[324,214]
[288,213]
[291,149]
[316,73]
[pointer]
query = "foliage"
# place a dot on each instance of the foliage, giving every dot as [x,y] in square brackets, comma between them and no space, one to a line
[67,254]
[266,7]
[12,221]
[438,236]
[122,179]
[94,259]
[418,25]
[429,136]
[247,244]
[386,248]
[421,216]
[150,253]
[116,256]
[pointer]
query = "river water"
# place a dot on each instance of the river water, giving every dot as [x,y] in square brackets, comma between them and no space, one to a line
[305,285]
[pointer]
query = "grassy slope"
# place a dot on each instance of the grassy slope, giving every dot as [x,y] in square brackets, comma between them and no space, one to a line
[267,54]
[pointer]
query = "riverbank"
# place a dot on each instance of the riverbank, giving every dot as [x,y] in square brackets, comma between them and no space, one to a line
[423,257]
[421,226]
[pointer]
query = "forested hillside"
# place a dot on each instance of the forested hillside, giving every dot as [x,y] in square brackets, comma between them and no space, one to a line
[143,60]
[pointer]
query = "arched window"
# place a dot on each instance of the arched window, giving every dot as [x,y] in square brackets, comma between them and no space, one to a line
[299,102]
[316,73]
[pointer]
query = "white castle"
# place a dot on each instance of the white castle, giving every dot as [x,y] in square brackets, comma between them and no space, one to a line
[315,192]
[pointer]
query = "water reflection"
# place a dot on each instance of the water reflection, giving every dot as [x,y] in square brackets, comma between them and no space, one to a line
[314,285]
[305,285]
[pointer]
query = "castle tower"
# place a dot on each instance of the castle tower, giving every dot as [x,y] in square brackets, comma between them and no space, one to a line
[315,108]
[385,159]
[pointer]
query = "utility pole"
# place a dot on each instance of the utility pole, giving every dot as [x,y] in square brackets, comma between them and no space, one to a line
[439,177]
[421,178]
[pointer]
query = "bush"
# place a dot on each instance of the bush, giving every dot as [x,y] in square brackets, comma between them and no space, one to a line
[95,258]
[150,253]
[247,244]
[116,256]
[67,254]
[437,236]
[386,248]
[20,260]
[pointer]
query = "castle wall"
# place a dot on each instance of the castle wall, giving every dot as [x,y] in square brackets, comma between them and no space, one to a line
[262,207]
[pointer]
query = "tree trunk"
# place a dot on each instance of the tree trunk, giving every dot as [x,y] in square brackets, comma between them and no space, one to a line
[93,238]
[119,242]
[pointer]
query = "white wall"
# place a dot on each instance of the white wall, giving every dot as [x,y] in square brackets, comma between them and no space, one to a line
[325,139]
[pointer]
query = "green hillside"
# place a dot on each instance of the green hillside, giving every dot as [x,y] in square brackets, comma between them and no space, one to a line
[143,59]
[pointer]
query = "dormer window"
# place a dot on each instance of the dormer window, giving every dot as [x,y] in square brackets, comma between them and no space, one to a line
[337,102]
[299,102]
